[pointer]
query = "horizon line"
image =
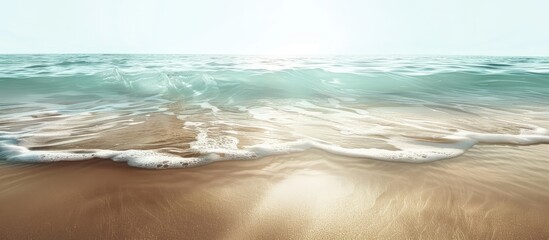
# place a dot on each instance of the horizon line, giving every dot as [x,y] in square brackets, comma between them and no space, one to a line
[282,55]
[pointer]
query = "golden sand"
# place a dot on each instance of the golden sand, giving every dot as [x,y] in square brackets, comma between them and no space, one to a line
[490,192]
[481,195]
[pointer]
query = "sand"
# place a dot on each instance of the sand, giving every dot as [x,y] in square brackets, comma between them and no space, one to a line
[490,192]
[483,194]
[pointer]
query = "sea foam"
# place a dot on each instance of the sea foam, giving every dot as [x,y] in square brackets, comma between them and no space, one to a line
[391,108]
[214,150]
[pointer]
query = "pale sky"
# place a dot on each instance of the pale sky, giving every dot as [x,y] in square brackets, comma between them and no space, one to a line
[464,27]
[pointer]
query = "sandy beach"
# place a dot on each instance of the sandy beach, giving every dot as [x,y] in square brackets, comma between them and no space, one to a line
[246,147]
[309,195]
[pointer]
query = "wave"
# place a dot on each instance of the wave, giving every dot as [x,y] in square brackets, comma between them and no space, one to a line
[224,86]
[250,107]
[409,152]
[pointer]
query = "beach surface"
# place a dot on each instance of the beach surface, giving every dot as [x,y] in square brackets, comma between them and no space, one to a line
[309,195]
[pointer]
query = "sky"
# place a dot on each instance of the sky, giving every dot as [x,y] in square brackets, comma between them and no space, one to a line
[279,27]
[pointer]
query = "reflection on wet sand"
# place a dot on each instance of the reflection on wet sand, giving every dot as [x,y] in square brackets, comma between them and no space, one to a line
[490,192]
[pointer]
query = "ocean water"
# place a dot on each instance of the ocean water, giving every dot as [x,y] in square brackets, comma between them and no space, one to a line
[173,111]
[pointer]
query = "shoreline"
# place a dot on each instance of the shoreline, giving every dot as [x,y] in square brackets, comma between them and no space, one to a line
[307,195]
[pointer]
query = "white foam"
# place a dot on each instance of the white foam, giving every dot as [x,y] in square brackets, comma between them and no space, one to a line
[225,148]
[414,155]
[520,139]
[136,158]
[205,144]
[192,124]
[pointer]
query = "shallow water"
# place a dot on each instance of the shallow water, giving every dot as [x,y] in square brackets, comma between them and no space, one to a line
[171,111]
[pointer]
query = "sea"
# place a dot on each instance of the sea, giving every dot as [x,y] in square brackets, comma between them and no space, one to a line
[179,111]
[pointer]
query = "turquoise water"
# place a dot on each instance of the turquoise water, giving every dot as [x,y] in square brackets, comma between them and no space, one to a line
[389,108]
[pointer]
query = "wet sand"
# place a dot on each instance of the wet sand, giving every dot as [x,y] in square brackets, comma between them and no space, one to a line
[491,192]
